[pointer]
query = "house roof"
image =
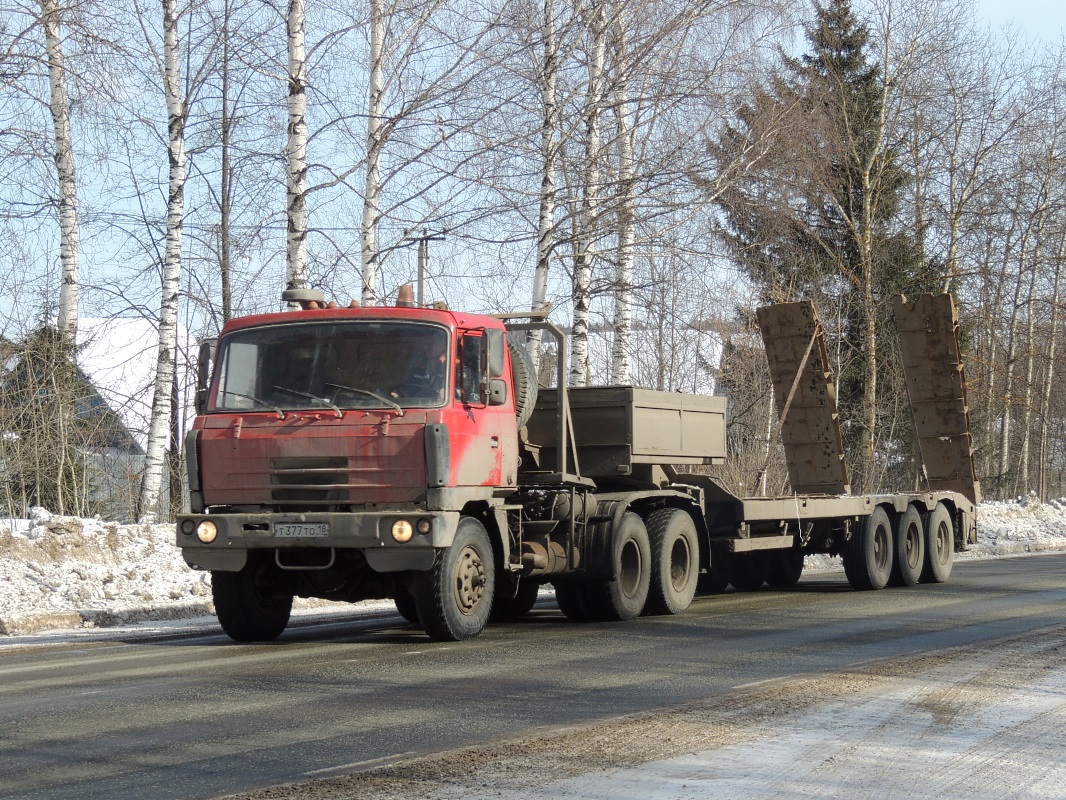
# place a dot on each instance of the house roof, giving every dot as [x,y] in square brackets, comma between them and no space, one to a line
[119,355]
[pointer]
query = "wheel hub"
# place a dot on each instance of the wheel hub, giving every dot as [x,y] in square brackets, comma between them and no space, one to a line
[469,580]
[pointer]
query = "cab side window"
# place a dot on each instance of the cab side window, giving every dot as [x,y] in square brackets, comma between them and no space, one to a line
[469,379]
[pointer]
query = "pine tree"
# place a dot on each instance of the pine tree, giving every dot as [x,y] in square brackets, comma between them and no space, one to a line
[818,215]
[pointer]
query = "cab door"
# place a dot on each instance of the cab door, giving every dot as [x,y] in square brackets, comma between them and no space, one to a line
[484,435]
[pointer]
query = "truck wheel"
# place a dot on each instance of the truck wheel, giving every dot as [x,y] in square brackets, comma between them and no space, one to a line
[623,596]
[508,605]
[749,571]
[248,606]
[910,548]
[524,379]
[454,597]
[405,603]
[785,567]
[571,599]
[716,579]
[675,559]
[868,554]
[939,545]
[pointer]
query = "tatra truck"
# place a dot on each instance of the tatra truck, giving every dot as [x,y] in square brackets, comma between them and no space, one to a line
[408,452]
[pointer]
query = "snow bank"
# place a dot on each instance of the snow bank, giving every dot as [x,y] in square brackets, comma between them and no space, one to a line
[66,571]
[51,564]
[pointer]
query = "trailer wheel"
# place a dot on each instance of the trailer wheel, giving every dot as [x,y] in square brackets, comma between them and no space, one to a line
[623,596]
[454,597]
[749,571]
[405,603]
[508,605]
[785,567]
[675,559]
[910,548]
[939,545]
[868,554]
[716,579]
[248,606]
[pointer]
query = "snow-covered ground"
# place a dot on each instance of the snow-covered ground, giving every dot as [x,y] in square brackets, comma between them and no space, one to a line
[66,572]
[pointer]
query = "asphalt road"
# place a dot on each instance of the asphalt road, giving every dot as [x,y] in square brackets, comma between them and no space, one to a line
[188,714]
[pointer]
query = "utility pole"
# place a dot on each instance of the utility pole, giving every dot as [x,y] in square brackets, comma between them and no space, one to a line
[423,258]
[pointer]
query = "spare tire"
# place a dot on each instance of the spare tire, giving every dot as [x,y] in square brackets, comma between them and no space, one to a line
[525,380]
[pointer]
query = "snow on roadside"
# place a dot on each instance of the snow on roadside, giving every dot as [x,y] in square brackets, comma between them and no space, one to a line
[94,572]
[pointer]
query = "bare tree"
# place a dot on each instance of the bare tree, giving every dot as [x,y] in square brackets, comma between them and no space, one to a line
[296,150]
[64,161]
[160,424]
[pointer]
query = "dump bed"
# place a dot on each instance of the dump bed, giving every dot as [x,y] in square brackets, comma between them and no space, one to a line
[617,427]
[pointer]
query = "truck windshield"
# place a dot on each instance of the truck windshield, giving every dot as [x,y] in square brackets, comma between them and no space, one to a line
[333,365]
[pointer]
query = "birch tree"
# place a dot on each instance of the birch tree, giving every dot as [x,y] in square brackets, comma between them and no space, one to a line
[64,162]
[549,160]
[296,150]
[375,143]
[585,222]
[159,426]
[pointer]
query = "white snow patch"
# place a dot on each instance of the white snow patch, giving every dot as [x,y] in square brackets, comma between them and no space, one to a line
[67,564]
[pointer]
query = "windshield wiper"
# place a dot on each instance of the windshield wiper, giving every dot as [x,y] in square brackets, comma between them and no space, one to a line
[375,395]
[336,410]
[277,409]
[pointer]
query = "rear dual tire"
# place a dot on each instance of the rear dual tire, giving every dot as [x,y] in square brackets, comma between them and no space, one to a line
[869,554]
[939,545]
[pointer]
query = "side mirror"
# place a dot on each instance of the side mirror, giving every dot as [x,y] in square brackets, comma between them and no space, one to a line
[495,345]
[203,373]
[497,391]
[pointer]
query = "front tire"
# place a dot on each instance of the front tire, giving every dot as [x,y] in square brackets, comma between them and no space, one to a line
[869,553]
[675,559]
[249,605]
[405,603]
[454,597]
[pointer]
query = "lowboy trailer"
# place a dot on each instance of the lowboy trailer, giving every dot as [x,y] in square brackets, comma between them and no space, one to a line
[408,452]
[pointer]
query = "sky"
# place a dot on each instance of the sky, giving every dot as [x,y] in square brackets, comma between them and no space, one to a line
[1036,19]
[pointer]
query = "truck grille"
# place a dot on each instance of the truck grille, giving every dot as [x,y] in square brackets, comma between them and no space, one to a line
[310,479]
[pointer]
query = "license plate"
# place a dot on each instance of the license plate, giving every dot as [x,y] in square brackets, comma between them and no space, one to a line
[299,530]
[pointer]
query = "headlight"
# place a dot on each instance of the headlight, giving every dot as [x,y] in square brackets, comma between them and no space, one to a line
[424,526]
[402,531]
[206,531]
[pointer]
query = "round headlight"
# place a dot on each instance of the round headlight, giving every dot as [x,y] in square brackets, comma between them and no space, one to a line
[206,531]
[424,526]
[402,531]
[188,526]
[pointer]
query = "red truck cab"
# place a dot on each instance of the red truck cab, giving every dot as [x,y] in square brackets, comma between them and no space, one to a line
[336,448]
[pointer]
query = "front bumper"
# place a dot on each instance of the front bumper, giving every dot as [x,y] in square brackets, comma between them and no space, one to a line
[369,532]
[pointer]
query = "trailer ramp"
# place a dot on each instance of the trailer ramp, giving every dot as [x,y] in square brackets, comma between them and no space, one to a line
[805,397]
[936,386]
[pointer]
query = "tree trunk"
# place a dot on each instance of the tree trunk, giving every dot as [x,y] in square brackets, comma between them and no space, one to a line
[64,161]
[623,290]
[1045,405]
[296,151]
[374,146]
[589,189]
[159,426]
[226,190]
[549,159]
